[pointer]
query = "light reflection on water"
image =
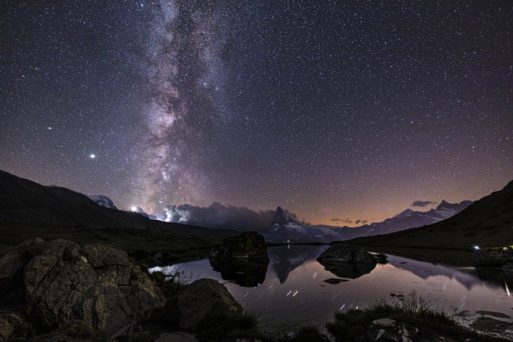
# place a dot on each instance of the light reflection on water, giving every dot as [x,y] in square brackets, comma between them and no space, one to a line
[295,292]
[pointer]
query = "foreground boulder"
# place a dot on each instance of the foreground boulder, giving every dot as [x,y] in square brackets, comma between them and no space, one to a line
[205,300]
[95,284]
[13,260]
[242,259]
[12,326]
[60,283]
[348,261]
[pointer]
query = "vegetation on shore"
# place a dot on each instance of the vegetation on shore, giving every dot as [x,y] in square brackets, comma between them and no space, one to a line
[412,317]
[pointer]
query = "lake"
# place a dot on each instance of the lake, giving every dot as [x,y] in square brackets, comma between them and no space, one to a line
[293,289]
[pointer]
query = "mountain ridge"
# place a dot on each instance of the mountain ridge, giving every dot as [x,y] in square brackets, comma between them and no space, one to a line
[486,222]
[23,201]
[287,228]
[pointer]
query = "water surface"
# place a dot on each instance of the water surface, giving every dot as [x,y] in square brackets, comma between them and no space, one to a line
[294,291]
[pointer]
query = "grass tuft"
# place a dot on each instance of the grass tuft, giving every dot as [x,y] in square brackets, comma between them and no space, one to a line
[411,310]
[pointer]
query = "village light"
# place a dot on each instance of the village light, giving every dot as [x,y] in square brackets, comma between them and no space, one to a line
[476,247]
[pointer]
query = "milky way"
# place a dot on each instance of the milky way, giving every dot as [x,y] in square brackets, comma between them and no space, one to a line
[179,58]
[331,109]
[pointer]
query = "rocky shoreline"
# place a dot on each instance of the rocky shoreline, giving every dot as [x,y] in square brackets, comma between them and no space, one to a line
[61,291]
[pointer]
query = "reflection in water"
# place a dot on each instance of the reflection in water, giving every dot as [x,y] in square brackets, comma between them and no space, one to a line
[496,276]
[347,269]
[244,272]
[285,259]
[466,276]
[295,292]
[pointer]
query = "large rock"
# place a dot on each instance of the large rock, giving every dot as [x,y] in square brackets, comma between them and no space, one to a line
[95,284]
[13,327]
[349,254]
[248,245]
[242,259]
[347,261]
[203,300]
[14,259]
[12,262]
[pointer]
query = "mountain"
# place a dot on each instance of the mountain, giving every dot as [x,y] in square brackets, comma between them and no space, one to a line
[104,201]
[287,228]
[487,222]
[406,220]
[25,202]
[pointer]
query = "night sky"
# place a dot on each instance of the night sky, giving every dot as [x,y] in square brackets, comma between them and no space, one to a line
[351,110]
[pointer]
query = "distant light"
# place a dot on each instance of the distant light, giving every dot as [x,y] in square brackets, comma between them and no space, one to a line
[49,128]
[476,247]
[133,208]
[92,156]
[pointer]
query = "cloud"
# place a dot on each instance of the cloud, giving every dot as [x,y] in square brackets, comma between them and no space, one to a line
[345,220]
[219,215]
[421,203]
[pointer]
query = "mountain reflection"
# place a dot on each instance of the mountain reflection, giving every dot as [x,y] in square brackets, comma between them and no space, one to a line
[246,273]
[284,259]
[468,276]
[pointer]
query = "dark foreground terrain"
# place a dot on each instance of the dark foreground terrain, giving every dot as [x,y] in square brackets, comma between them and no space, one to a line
[63,291]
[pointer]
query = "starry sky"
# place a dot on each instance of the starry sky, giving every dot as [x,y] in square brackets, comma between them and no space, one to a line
[335,110]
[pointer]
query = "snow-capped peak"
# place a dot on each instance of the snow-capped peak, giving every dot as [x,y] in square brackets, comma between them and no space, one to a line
[103,201]
[282,216]
[405,213]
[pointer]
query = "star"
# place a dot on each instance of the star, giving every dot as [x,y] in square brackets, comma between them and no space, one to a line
[92,156]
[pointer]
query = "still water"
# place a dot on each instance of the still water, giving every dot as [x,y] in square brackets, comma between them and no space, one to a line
[293,290]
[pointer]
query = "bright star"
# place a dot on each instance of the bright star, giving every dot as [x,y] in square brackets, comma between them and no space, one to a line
[92,156]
